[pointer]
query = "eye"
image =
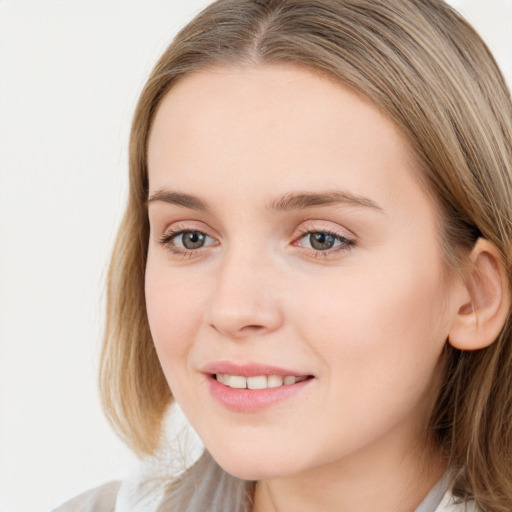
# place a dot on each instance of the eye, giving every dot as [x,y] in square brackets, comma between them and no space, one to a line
[324,241]
[186,240]
[190,239]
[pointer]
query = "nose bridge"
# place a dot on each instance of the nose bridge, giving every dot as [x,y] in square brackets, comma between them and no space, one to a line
[245,297]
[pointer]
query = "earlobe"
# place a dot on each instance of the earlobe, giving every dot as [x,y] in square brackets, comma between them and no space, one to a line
[485,303]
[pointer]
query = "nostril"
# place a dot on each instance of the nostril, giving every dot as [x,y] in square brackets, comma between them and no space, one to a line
[234,331]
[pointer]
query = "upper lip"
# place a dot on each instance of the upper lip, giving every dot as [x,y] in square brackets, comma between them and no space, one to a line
[249,369]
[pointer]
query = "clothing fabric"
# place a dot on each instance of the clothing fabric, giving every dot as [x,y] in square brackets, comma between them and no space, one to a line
[101,499]
[217,491]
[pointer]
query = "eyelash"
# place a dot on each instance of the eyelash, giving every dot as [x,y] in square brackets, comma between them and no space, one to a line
[345,243]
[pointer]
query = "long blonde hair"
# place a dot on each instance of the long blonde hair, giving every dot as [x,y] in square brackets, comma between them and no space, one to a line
[425,68]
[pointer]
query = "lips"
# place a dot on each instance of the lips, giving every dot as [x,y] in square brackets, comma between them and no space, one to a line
[249,370]
[251,387]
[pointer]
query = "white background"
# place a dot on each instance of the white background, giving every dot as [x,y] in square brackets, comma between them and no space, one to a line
[70,73]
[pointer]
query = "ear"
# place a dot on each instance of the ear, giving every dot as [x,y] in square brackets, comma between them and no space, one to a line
[484,301]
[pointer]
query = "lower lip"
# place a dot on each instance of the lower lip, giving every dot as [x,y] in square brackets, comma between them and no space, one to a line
[253,400]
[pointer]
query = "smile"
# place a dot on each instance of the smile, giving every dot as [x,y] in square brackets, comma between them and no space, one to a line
[258,381]
[255,392]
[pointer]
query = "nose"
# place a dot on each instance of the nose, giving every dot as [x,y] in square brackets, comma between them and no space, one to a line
[245,300]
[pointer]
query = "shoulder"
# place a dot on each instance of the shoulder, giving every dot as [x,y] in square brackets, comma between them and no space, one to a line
[100,499]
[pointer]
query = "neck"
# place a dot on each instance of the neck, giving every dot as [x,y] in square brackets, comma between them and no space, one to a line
[382,482]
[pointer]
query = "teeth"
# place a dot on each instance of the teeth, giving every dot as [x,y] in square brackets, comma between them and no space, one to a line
[258,382]
[274,381]
[289,380]
[235,381]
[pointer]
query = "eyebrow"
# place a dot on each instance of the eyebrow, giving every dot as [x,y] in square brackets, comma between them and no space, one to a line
[287,202]
[178,199]
[301,200]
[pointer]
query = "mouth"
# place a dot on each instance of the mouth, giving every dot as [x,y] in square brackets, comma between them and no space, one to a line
[250,388]
[258,381]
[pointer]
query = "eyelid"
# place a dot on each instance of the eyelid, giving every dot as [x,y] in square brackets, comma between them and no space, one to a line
[180,226]
[323,226]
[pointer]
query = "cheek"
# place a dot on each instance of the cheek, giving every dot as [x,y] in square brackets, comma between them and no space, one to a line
[380,349]
[174,311]
[391,316]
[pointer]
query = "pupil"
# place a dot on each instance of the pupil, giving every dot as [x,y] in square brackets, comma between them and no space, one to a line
[193,240]
[321,241]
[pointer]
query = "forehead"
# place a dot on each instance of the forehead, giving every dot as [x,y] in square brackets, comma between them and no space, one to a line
[269,124]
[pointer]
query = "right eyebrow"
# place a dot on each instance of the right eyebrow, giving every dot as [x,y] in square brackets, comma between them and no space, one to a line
[179,199]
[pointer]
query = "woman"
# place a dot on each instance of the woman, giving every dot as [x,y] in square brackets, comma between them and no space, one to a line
[315,261]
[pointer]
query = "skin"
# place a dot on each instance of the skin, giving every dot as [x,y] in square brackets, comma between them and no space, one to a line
[368,318]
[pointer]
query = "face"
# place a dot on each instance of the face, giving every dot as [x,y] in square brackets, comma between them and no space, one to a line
[295,285]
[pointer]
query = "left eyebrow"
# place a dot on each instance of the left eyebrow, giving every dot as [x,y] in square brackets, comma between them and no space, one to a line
[302,200]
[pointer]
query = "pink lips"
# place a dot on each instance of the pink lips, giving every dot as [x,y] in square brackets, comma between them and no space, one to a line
[251,400]
[248,370]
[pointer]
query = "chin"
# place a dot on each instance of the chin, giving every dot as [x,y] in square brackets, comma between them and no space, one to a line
[249,466]
[250,471]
